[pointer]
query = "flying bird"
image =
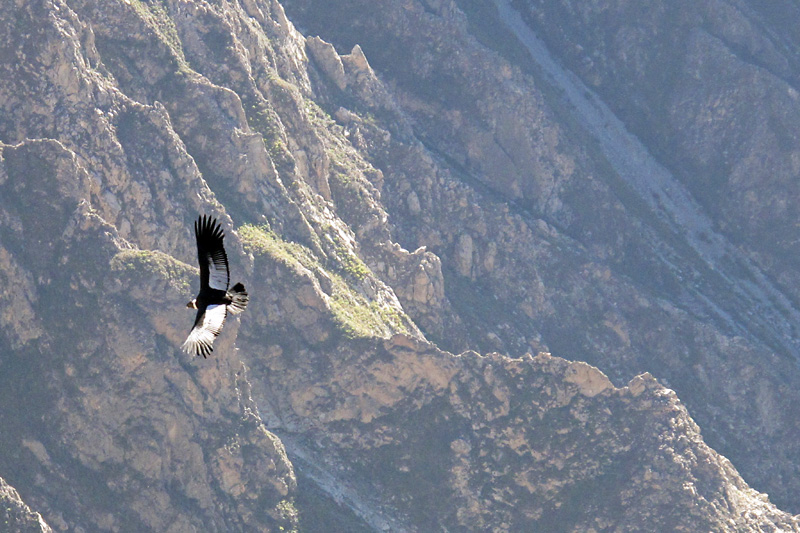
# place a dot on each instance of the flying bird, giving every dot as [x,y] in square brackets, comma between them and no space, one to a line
[215,299]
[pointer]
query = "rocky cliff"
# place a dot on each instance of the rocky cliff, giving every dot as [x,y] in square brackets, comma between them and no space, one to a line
[418,196]
[16,515]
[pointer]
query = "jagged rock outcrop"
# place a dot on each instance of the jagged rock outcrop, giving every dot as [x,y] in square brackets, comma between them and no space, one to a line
[508,444]
[17,517]
[387,208]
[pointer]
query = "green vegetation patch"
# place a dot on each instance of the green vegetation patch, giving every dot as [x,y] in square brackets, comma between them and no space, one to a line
[348,262]
[349,171]
[354,313]
[153,263]
[155,14]
[264,120]
[318,116]
[359,317]
[288,516]
[261,240]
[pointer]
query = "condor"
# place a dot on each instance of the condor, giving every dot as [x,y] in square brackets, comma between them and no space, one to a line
[215,299]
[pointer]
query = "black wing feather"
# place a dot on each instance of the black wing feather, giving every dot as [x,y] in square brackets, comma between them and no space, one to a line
[211,255]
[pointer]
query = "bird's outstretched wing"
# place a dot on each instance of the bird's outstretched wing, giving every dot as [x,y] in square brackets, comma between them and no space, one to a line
[211,254]
[207,326]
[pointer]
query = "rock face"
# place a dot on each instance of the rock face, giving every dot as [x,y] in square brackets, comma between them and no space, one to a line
[16,516]
[512,444]
[400,183]
[595,216]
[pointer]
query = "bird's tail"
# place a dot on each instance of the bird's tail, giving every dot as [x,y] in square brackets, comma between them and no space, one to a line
[239,298]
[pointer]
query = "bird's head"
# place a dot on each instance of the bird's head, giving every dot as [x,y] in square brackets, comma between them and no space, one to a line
[192,304]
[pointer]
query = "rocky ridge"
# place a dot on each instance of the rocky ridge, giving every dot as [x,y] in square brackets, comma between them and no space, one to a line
[17,516]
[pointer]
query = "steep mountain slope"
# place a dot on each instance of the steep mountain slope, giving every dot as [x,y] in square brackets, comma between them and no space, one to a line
[613,255]
[334,401]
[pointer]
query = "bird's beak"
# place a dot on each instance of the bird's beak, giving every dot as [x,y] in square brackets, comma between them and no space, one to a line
[192,304]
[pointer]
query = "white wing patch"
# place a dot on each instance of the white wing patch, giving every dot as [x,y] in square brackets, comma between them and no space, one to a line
[202,336]
[217,271]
